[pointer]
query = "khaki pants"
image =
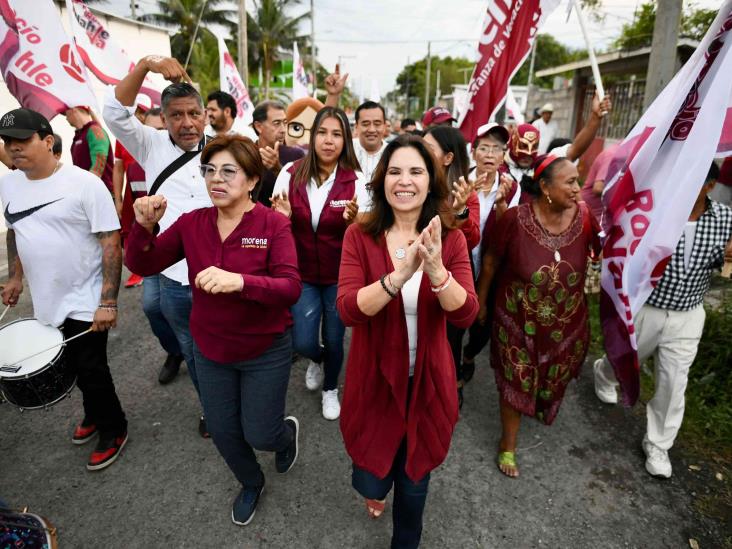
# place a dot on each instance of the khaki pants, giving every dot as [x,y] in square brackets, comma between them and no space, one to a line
[672,338]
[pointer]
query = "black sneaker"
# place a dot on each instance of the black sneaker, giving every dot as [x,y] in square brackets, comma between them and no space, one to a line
[245,505]
[285,459]
[202,430]
[107,450]
[170,369]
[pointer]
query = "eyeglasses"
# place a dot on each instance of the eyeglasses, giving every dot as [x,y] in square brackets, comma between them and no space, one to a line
[490,149]
[227,172]
[295,129]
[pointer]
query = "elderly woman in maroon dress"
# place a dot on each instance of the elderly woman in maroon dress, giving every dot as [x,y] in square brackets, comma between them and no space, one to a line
[538,256]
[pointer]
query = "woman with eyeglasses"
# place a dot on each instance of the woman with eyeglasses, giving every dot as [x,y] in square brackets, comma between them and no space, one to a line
[321,193]
[242,267]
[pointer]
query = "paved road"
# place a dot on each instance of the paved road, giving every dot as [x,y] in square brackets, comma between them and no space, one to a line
[582,485]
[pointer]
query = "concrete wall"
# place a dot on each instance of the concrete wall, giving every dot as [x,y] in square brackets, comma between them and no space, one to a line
[137,39]
[562,99]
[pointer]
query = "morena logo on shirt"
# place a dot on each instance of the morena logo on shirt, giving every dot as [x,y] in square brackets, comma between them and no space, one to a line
[339,203]
[256,243]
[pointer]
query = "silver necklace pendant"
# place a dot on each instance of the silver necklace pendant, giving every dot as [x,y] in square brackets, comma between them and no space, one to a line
[557,257]
[400,253]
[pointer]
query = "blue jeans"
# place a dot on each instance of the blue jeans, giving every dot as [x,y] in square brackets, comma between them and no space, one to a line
[317,303]
[244,404]
[175,303]
[409,498]
[154,314]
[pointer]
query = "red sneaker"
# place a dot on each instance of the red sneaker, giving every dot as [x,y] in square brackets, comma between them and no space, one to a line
[83,433]
[107,450]
[133,281]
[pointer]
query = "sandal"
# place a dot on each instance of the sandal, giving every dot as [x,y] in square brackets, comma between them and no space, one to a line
[375,507]
[507,460]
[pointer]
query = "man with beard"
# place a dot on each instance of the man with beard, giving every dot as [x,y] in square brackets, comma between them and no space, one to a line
[221,112]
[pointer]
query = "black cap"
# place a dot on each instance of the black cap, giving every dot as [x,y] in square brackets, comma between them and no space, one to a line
[23,123]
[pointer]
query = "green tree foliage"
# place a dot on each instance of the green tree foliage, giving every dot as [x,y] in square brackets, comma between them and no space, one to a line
[183,16]
[272,30]
[549,53]
[639,33]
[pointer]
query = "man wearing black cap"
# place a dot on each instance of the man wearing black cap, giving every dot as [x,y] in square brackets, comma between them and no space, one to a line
[63,235]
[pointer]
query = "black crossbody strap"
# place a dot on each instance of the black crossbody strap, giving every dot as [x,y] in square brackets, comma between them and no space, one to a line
[174,166]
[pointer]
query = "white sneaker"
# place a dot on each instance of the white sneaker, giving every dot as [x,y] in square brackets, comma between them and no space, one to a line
[604,391]
[657,462]
[314,376]
[331,406]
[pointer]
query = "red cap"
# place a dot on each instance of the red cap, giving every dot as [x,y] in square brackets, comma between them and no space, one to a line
[436,115]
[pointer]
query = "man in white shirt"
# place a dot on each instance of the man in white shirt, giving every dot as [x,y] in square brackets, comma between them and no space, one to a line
[221,111]
[548,128]
[370,122]
[63,234]
[184,188]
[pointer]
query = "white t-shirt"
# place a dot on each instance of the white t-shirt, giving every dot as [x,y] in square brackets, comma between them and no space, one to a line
[410,297]
[689,235]
[547,133]
[55,220]
[317,196]
[368,161]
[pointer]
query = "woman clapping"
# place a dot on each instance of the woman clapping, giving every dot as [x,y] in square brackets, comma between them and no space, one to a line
[403,273]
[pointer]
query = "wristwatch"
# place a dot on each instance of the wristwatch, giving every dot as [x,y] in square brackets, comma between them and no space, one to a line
[464,214]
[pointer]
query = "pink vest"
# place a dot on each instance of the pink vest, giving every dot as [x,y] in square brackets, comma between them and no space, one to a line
[319,252]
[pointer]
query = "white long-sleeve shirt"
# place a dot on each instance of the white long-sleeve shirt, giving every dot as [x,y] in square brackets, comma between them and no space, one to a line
[185,190]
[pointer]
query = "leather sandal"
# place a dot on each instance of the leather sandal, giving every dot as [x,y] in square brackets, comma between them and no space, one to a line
[375,507]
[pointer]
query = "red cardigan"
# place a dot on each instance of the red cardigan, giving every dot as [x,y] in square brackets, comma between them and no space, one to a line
[374,418]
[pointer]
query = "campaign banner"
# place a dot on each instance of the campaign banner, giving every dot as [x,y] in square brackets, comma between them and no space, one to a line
[103,57]
[299,76]
[653,182]
[509,29]
[39,63]
[232,84]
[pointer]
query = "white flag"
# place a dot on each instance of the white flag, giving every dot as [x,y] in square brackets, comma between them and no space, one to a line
[299,78]
[40,64]
[104,58]
[512,107]
[375,95]
[231,83]
[653,182]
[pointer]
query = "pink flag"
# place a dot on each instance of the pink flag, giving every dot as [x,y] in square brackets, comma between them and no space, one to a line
[232,84]
[508,31]
[653,182]
[104,58]
[40,64]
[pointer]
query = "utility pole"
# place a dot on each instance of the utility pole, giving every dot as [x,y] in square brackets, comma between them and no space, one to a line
[406,110]
[243,45]
[133,9]
[312,46]
[437,88]
[662,61]
[429,70]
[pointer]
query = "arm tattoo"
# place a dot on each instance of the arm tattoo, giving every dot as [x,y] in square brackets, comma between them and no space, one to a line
[111,264]
[15,268]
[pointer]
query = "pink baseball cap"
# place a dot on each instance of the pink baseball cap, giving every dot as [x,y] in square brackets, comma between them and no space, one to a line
[436,115]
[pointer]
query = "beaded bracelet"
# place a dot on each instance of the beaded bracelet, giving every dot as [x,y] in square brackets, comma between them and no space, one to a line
[383,285]
[441,284]
[108,307]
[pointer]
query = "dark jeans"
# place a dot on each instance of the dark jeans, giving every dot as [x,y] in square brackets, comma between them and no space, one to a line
[154,314]
[478,337]
[316,303]
[409,498]
[455,339]
[244,403]
[88,356]
[176,301]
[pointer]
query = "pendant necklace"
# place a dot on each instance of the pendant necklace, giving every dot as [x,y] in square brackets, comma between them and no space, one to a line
[400,253]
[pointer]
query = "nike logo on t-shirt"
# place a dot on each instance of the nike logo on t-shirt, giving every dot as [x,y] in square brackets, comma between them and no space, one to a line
[13,218]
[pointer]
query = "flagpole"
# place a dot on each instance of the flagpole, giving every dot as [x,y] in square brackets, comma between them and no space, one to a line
[590,50]
[195,34]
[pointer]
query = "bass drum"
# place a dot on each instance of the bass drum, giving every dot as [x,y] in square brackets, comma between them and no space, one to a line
[41,380]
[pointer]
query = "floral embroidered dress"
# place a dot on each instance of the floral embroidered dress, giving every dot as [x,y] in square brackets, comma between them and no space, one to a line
[540,323]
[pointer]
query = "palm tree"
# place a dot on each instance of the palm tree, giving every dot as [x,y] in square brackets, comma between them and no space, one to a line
[271,30]
[183,15]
